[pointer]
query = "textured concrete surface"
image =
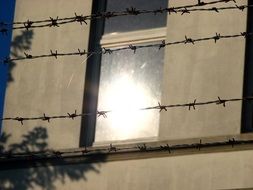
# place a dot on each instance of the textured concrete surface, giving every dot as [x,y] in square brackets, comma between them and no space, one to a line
[53,86]
[202,171]
[203,71]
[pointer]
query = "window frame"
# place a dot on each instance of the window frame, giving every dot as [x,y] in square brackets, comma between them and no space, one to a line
[123,39]
[133,37]
[92,77]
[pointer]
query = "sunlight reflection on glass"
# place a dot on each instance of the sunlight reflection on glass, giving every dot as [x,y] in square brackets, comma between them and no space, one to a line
[125,87]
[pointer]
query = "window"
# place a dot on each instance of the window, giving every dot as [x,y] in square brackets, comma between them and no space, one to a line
[124,81]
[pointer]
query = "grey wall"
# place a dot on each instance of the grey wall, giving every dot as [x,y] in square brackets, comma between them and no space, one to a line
[53,86]
[202,171]
[203,71]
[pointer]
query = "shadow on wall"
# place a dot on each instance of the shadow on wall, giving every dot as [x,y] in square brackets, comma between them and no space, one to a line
[20,43]
[43,177]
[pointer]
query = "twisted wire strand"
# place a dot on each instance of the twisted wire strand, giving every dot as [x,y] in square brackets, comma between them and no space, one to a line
[69,115]
[56,22]
[134,48]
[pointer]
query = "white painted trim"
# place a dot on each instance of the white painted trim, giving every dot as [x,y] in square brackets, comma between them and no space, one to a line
[135,37]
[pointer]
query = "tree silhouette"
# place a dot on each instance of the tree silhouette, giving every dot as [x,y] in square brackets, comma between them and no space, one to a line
[19,44]
[45,176]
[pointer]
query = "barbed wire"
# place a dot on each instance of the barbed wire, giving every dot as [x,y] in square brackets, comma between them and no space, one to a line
[134,48]
[112,149]
[56,22]
[160,107]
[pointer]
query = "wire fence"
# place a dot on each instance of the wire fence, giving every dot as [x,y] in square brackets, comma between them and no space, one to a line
[134,48]
[112,149]
[160,107]
[57,22]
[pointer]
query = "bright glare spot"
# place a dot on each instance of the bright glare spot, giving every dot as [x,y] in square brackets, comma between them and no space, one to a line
[125,97]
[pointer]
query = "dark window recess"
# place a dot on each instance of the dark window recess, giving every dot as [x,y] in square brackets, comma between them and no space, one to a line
[92,77]
[247,111]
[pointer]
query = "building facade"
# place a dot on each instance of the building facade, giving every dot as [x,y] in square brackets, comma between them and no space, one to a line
[190,147]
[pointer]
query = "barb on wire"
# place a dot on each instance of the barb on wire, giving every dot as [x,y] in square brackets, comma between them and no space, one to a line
[162,45]
[220,101]
[142,148]
[20,119]
[232,142]
[72,115]
[185,10]
[109,51]
[188,40]
[166,147]
[104,113]
[215,9]
[244,34]
[56,22]
[216,37]
[241,7]
[171,10]
[201,3]
[28,56]
[192,105]
[28,24]
[81,53]
[162,107]
[112,148]
[199,145]
[55,54]
[81,19]
[134,48]
[133,11]
[46,118]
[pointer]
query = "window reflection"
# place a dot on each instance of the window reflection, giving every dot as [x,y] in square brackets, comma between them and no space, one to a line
[128,82]
[140,22]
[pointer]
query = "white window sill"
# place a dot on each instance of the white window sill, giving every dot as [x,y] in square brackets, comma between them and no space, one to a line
[135,37]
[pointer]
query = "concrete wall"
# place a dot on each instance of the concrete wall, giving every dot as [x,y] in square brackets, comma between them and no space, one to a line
[203,71]
[202,171]
[53,86]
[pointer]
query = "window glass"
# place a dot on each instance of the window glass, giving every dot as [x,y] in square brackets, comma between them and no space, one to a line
[132,22]
[128,82]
